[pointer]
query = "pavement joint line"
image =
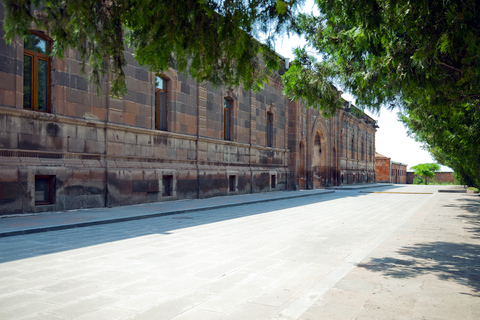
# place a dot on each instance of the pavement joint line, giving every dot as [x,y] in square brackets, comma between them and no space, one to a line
[317,291]
[396,192]
[147,216]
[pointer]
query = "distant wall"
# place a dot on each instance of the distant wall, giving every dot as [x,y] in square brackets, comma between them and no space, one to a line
[382,169]
[439,176]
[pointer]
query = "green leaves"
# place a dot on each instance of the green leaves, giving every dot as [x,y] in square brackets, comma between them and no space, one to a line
[452,136]
[211,40]
[426,170]
[421,56]
[282,7]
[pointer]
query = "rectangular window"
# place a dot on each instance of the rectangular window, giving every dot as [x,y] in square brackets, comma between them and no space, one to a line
[36,73]
[44,190]
[167,186]
[353,145]
[227,118]
[269,129]
[161,111]
[232,183]
[273,181]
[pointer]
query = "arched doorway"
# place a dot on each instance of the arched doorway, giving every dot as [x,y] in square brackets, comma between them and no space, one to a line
[319,163]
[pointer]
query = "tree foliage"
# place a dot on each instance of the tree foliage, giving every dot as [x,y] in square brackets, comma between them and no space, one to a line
[212,40]
[452,136]
[422,57]
[426,170]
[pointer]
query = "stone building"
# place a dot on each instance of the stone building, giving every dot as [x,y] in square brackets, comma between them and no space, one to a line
[389,171]
[63,147]
[331,151]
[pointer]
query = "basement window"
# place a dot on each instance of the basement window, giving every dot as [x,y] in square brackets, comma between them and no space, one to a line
[44,190]
[167,186]
[232,183]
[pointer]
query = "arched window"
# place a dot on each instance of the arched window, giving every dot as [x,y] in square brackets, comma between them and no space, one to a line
[227,119]
[36,72]
[161,110]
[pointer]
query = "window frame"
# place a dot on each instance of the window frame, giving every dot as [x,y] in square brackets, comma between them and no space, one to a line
[161,116]
[34,86]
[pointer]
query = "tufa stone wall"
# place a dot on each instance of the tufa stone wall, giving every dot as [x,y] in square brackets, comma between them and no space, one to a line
[99,151]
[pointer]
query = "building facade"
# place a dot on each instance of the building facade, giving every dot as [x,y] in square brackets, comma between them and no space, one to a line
[64,147]
[389,171]
[331,151]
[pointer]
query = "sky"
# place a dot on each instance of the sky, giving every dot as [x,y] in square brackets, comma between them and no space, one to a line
[391,138]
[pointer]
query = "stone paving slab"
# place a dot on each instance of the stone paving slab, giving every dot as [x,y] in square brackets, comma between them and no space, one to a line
[34,223]
[343,255]
[429,268]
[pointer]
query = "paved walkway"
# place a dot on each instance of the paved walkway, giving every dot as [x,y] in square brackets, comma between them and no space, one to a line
[34,223]
[408,252]
[427,268]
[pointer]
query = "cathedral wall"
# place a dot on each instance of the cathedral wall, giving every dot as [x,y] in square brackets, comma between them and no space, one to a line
[92,150]
[168,138]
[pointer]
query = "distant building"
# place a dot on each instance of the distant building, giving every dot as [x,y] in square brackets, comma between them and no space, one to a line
[388,171]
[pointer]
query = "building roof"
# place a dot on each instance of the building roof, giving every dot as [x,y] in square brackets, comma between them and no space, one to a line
[378,155]
[399,163]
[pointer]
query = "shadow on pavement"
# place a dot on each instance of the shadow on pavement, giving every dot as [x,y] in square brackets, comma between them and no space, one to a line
[447,261]
[472,206]
[37,244]
[453,261]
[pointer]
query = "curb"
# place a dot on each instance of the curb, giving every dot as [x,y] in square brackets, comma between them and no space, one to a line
[391,192]
[357,187]
[147,216]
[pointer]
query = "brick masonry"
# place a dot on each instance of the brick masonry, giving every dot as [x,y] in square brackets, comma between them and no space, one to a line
[103,151]
[389,171]
[445,177]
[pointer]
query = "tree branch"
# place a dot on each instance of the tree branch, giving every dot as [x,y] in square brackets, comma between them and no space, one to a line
[449,66]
